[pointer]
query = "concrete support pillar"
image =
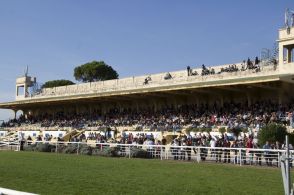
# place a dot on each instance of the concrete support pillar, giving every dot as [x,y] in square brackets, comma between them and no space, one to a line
[78,109]
[137,105]
[24,90]
[155,105]
[280,97]
[289,54]
[197,101]
[14,112]
[103,109]
[249,99]
[25,113]
[221,101]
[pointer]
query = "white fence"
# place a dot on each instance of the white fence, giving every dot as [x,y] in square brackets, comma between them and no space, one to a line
[4,191]
[9,146]
[238,156]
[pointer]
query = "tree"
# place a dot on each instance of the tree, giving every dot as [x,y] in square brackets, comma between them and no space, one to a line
[57,83]
[94,71]
[272,132]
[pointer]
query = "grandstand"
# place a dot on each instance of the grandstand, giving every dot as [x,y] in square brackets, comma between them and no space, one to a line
[247,94]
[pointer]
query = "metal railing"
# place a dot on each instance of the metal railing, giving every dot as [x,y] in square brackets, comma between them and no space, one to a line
[9,145]
[238,156]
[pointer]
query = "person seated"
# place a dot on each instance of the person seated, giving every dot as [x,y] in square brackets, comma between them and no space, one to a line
[194,73]
[243,67]
[167,76]
[212,71]
[203,67]
[146,81]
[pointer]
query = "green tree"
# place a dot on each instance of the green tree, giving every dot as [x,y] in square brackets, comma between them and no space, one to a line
[57,83]
[272,132]
[94,71]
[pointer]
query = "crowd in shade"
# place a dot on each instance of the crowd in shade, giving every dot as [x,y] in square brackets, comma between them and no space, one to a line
[172,118]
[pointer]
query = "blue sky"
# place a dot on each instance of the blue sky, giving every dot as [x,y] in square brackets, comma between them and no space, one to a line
[136,37]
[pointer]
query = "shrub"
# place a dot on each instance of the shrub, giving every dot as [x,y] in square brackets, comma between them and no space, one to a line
[44,147]
[112,151]
[138,153]
[272,132]
[70,149]
[31,147]
[106,151]
[57,83]
[61,148]
[85,150]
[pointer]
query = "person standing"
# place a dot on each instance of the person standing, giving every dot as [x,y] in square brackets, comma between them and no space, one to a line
[249,145]
[227,156]
[266,154]
[188,70]
[188,150]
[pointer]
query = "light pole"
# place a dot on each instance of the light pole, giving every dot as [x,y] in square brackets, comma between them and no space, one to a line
[285,167]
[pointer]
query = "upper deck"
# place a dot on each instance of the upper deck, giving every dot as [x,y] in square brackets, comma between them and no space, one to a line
[179,81]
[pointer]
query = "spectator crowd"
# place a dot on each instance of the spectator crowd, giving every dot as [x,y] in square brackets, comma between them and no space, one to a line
[172,118]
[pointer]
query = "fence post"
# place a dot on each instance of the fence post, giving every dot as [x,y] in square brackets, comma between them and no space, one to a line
[198,155]
[129,151]
[56,145]
[78,147]
[278,159]
[161,152]
[240,156]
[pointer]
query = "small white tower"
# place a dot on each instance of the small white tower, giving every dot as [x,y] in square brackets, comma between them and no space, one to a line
[286,39]
[23,84]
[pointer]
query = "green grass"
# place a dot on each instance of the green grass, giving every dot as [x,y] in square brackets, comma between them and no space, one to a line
[49,173]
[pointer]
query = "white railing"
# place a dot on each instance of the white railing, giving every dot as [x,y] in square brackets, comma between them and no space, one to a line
[5,191]
[14,145]
[238,156]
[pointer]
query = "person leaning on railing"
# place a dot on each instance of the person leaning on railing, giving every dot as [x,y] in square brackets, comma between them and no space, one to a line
[249,146]
[227,155]
[188,149]
[257,154]
[235,145]
[266,154]
[276,146]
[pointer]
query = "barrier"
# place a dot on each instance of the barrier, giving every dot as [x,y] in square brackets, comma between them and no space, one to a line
[237,156]
[15,145]
[4,191]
